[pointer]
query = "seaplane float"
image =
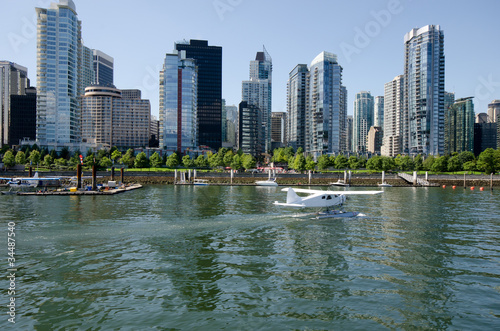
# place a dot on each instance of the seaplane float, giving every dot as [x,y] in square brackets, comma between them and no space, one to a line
[320,199]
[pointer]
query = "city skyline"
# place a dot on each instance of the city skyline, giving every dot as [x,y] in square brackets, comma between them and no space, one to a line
[367,38]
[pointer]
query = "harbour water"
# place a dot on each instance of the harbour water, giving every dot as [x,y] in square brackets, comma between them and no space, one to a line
[225,258]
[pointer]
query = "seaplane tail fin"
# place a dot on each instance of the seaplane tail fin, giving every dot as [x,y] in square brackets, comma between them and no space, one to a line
[36,175]
[292,197]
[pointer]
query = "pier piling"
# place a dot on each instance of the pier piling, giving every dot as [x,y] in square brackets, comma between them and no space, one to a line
[94,177]
[79,176]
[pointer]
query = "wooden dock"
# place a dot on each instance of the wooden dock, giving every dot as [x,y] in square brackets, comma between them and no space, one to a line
[104,192]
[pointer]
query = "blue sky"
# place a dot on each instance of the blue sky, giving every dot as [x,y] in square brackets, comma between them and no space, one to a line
[366,35]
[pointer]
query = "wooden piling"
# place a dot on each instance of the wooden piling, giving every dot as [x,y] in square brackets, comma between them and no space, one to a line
[79,176]
[94,178]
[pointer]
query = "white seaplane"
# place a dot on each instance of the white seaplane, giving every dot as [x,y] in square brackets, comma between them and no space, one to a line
[30,182]
[322,199]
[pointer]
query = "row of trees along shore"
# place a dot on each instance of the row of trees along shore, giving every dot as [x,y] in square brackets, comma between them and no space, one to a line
[487,162]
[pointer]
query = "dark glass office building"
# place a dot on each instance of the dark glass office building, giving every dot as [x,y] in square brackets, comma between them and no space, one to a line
[251,132]
[485,136]
[22,117]
[209,62]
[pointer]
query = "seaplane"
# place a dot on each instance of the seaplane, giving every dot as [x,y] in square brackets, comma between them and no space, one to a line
[322,200]
[30,182]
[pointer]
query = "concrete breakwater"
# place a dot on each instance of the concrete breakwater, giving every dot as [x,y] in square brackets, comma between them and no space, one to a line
[315,179]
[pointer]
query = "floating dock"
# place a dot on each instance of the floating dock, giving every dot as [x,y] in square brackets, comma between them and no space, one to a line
[104,192]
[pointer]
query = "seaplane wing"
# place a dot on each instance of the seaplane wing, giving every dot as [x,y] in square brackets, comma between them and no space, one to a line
[34,178]
[318,198]
[301,190]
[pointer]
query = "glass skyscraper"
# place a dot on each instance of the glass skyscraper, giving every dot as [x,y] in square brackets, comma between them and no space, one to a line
[258,91]
[297,98]
[178,103]
[459,127]
[363,120]
[250,129]
[327,110]
[209,63]
[378,113]
[424,88]
[59,82]
[103,68]
[13,81]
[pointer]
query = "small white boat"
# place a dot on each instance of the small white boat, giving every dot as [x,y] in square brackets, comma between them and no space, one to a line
[384,184]
[340,183]
[269,182]
[200,182]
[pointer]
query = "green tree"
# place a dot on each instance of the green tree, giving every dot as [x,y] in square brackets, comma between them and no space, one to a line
[34,156]
[291,162]
[187,162]
[299,163]
[428,162]
[466,157]
[228,158]
[89,161]
[236,164]
[216,160]
[440,164]
[341,162]
[172,161]
[44,151]
[48,161]
[128,159]
[289,153]
[353,162]
[323,162]
[141,161]
[310,164]
[64,153]
[248,161]
[8,159]
[105,163]
[21,158]
[404,163]
[374,163]
[454,164]
[418,163]
[201,162]
[54,154]
[388,163]
[74,161]
[155,160]
[470,166]
[489,161]
[116,156]
[61,162]
[102,153]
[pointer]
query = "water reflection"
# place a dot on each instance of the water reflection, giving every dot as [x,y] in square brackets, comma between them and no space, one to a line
[213,257]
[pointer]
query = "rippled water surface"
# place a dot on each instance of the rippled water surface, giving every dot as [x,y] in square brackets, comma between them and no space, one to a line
[211,258]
